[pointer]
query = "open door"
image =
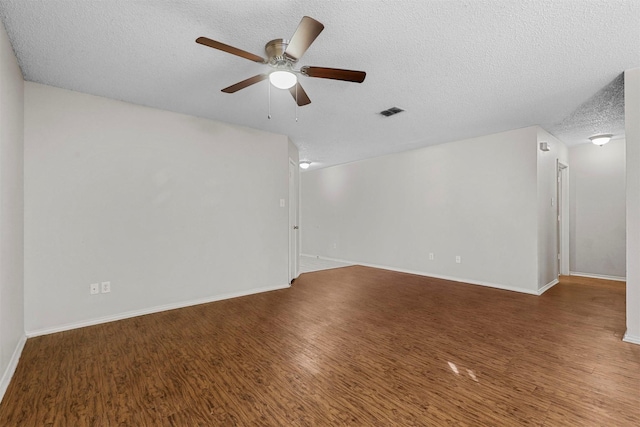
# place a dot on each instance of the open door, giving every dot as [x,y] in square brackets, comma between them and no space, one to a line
[293,221]
[563,219]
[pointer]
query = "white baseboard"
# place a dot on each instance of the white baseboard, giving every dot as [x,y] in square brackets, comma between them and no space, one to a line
[631,339]
[151,310]
[342,261]
[324,258]
[598,276]
[11,367]
[435,276]
[548,286]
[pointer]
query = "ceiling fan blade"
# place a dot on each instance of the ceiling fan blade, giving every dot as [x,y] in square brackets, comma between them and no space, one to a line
[230,49]
[334,73]
[305,34]
[299,95]
[248,82]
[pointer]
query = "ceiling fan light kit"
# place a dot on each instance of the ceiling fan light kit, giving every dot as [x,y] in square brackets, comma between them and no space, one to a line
[282,55]
[283,79]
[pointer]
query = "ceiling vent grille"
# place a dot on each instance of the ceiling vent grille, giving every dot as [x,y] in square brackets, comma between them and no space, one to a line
[391,111]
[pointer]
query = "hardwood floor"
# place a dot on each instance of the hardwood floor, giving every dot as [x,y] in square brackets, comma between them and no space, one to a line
[350,346]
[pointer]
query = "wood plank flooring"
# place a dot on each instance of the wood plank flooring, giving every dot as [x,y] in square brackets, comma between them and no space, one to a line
[351,346]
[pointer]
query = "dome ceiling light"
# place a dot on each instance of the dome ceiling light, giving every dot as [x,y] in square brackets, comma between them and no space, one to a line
[601,139]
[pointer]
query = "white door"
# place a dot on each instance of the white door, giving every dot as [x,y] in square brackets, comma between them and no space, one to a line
[293,221]
[563,219]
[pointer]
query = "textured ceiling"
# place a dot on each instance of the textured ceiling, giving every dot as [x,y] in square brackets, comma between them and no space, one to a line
[459,68]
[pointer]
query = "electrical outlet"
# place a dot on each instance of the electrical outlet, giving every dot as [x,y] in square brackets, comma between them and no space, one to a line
[458,259]
[106,287]
[94,288]
[431,256]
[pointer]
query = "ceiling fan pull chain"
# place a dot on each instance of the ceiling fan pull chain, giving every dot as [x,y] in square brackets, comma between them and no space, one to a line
[296,103]
[269,114]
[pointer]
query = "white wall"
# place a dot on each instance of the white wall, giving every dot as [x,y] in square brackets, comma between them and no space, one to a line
[171,209]
[12,335]
[598,209]
[475,198]
[632,154]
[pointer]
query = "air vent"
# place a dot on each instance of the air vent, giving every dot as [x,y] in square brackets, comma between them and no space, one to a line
[391,111]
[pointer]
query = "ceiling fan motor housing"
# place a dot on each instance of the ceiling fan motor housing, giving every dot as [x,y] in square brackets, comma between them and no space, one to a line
[275,53]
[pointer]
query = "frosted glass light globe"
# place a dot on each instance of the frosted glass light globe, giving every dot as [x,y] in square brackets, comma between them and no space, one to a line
[283,79]
[600,139]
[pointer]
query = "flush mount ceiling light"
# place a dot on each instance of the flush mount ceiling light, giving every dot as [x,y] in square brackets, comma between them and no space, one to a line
[283,79]
[601,139]
[305,165]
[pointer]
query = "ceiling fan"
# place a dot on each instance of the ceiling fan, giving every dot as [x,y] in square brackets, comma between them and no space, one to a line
[282,55]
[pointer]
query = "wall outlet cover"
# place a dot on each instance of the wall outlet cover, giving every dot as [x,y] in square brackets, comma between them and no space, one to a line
[94,288]
[106,287]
